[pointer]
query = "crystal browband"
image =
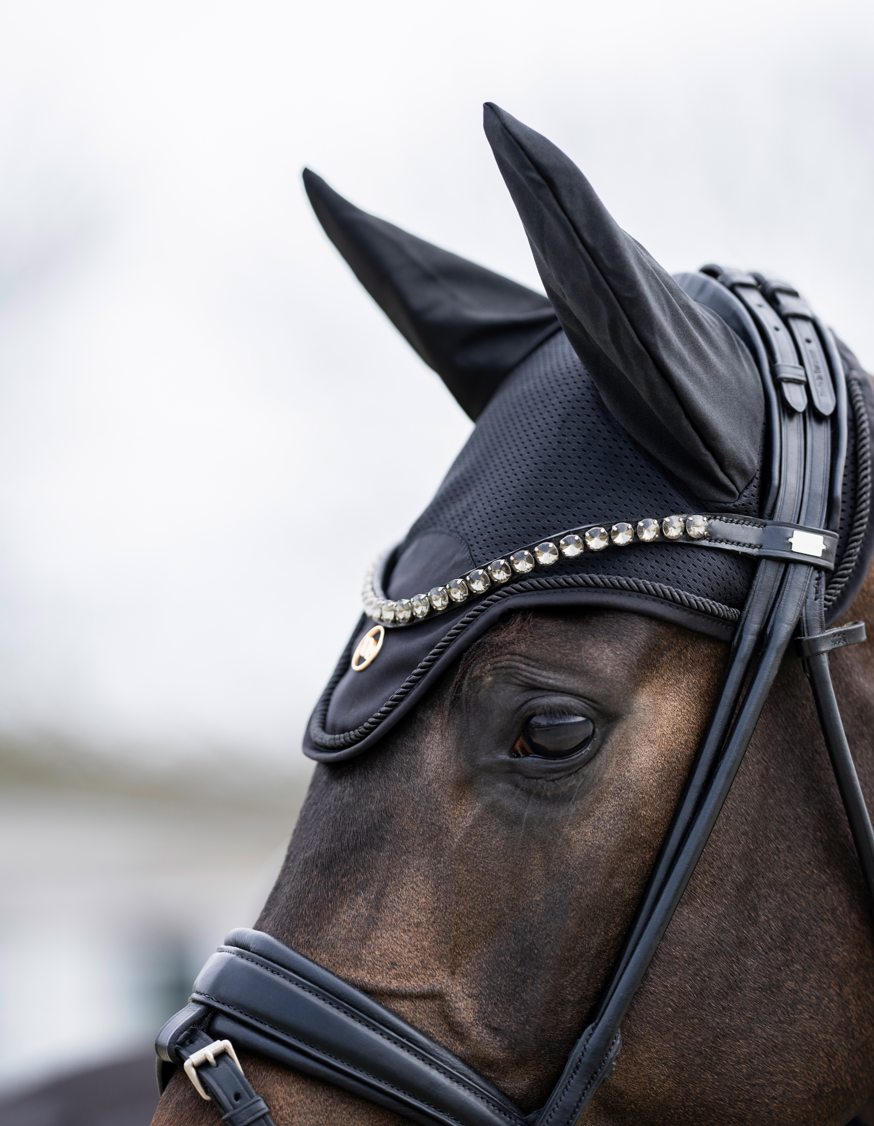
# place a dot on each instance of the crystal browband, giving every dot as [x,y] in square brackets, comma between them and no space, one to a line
[742,535]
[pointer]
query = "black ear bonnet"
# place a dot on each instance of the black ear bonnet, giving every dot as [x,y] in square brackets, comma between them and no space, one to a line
[607,419]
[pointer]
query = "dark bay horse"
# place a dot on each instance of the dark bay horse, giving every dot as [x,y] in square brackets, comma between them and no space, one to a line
[478,882]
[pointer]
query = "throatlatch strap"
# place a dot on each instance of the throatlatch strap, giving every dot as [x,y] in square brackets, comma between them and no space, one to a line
[815,648]
[270,1000]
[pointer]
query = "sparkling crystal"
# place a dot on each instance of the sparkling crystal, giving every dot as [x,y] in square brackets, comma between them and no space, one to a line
[478,580]
[403,610]
[647,530]
[546,553]
[523,562]
[421,605]
[376,610]
[621,534]
[457,590]
[673,527]
[571,546]
[438,597]
[597,539]
[388,611]
[696,527]
[499,571]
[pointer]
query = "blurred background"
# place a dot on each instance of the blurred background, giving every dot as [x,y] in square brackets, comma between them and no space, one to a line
[207,429]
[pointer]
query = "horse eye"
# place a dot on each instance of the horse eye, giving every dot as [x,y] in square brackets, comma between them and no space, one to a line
[554,736]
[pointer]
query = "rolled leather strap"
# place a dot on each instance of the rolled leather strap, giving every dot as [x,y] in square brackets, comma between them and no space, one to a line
[270,1000]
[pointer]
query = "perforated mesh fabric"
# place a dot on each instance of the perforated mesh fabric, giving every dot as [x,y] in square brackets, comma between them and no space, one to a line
[546,456]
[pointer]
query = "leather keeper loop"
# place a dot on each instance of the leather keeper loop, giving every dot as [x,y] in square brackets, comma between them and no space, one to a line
[837,638]
[731,277]
[789,373]
[788,305]
[792,379]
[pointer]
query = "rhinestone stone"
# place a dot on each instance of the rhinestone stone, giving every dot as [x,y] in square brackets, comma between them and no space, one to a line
[479,581]
[546,553]
[403,610]
[376,610]
[438,597]
[647,530]
[421,605]
[457,590]
[696,527]
[621,534]
[570,546]
[673,527]
[523,562]
[388,611]
[500,571]
[597,539]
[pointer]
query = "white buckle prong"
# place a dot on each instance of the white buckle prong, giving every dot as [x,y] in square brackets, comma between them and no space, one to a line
[207,1055]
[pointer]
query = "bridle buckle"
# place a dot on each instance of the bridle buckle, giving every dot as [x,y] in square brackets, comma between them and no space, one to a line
[207,1055]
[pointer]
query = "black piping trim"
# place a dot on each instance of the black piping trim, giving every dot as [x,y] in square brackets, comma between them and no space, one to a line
[856,538]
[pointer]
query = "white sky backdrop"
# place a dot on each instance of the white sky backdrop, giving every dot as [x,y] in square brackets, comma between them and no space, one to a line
[206,427]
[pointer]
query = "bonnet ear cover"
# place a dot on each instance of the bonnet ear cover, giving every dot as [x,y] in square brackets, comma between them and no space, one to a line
[670,371]
[470,325]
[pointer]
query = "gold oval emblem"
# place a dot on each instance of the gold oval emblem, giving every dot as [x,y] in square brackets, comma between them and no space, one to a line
[367,648]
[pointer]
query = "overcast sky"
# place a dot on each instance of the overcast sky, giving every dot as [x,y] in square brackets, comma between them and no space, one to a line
[206,427]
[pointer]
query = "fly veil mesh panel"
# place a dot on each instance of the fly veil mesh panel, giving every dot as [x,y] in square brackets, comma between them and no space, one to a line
[546,456]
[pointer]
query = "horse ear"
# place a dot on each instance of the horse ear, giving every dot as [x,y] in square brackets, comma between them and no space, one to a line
[470,325]
[670,371]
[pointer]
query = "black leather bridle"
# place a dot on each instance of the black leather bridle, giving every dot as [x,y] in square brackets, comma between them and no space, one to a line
[259,995]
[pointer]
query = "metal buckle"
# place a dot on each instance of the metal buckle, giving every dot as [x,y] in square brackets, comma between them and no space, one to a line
[207,1055]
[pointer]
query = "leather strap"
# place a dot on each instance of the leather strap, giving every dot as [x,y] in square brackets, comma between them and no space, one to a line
[271,1000]
[795,311]
[851,634]
[769,539]
[225,1084]
[800,444]
[817,642]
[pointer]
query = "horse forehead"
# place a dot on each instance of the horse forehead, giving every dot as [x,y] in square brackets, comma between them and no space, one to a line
[604,655]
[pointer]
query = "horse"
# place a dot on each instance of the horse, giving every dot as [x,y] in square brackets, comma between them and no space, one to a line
[492,797]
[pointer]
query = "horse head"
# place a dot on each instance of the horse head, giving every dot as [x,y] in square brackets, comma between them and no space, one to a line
[517,718]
